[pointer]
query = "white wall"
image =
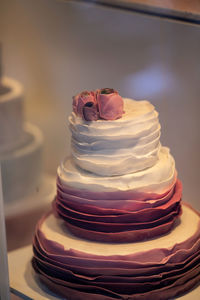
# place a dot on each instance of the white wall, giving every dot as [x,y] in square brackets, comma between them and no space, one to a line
[58,49]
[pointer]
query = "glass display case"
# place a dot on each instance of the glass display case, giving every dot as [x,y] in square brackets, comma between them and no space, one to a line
[144,49]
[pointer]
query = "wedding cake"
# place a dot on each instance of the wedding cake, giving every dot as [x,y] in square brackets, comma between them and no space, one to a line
[117,229]
[21,145]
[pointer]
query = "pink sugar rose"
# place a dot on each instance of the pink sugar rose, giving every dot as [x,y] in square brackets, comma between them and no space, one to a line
[90,112]
[110,104]
[80,100]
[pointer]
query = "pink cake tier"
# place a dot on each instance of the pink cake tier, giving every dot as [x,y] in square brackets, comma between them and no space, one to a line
[104,217]
[161,268]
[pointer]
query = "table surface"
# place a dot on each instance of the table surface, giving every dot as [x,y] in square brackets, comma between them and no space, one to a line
[24,282]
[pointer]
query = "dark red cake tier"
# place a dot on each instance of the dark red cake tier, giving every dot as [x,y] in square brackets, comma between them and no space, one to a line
[138,218]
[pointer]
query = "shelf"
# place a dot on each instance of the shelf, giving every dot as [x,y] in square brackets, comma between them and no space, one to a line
[179,10]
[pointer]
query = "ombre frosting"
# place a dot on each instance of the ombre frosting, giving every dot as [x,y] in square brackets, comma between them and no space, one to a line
[119,184]
[159,269]
[117,229]
[118,220]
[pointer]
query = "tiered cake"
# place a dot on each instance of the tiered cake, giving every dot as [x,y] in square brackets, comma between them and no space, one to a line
[20,144]
[118,229]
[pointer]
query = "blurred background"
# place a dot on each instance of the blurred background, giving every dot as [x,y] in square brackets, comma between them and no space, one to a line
[56,49]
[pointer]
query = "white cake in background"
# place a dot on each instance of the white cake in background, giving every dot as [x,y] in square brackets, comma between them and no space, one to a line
[20,149]
[11,114]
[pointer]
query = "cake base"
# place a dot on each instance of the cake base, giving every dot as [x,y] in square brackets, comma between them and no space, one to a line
[25,283]
[161,268]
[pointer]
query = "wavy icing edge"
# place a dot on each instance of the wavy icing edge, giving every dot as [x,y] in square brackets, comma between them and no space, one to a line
[156,179]
[122,146]
[119,275]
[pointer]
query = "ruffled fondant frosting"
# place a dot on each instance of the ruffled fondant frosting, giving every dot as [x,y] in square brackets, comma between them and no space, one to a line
[156,179]
[162,268]
[119,186]
[117,147]
[118,168]
[122,221]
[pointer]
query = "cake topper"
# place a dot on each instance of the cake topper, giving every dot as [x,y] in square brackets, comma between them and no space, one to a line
[107,91]
[103,103]
[90,111]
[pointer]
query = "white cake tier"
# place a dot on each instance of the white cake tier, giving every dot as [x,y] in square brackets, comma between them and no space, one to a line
[118,147]
[156,179]
[11,114]
[22,165]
